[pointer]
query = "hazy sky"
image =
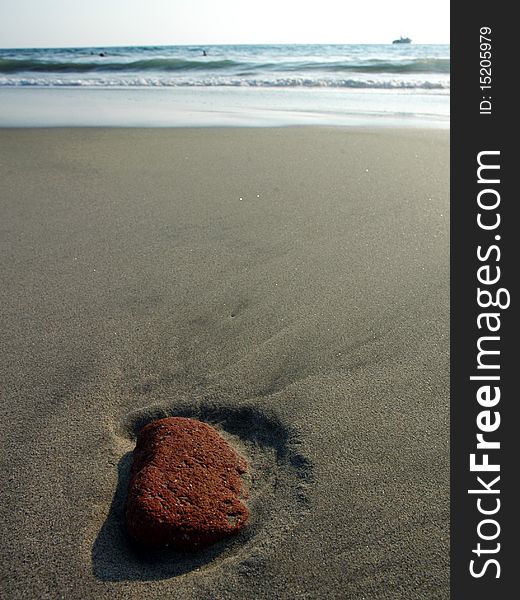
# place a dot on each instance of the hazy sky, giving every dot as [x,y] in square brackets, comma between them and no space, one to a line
[33,23]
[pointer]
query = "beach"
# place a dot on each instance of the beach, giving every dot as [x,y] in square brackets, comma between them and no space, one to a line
[288,285]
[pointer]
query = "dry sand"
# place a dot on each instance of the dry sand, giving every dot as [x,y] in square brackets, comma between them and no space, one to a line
[289,286]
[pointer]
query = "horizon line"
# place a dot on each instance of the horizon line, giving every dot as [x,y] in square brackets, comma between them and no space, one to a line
[198,45]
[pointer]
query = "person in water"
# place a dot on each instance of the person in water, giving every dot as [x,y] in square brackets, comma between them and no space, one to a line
[204,53]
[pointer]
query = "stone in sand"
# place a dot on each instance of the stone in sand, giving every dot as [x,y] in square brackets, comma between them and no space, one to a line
[186,486]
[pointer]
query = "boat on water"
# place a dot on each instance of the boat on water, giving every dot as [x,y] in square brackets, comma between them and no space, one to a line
[402,40]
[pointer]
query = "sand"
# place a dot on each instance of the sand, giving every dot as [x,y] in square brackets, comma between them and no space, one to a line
[289,286]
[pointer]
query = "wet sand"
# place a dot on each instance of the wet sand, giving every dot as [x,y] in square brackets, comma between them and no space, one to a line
[290,286]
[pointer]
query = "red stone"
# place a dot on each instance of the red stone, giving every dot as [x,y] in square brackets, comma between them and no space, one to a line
[186,486]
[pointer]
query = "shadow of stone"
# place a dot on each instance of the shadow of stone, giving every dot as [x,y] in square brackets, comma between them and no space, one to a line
[115,557]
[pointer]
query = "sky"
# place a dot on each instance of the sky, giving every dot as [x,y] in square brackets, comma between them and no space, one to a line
[59,23]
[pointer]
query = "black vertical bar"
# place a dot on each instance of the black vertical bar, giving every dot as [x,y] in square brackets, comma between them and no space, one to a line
[482,120]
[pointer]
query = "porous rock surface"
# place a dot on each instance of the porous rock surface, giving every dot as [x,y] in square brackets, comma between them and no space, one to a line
[186,487]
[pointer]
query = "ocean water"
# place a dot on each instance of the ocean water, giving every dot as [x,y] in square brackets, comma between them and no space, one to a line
[263,85]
